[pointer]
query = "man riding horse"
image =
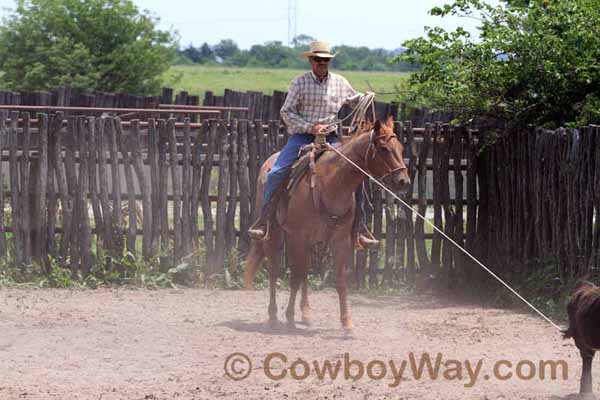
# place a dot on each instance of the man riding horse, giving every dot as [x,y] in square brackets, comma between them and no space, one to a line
[312,104]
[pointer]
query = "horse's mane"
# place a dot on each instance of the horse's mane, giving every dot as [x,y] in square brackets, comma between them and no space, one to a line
[354,137]
[366,128]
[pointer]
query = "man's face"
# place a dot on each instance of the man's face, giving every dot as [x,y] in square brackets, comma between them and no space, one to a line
[320,66]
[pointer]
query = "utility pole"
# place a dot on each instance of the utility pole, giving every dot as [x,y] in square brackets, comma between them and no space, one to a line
[292,24]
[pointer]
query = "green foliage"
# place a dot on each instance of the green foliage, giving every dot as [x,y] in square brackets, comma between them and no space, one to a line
[536,62]
[542,285]
[190,270]
[225,49]
[104,45]
[203,54]
[127,270]
[276,55]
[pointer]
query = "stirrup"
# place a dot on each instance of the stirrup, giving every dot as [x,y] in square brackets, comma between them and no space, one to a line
[255,227]
[365,239]
[366,242]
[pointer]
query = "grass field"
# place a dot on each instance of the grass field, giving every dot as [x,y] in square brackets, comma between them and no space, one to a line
[197,79]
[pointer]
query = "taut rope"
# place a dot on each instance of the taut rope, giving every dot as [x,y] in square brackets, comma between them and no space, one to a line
[444,235]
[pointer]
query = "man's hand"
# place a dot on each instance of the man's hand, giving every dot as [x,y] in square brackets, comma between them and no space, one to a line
[317,128]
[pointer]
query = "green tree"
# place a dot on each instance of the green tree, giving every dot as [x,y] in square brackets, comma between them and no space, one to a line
[192,53]
[536,62]
[226,49]
[106,45]
[206,53]
[302,41]
[274,54]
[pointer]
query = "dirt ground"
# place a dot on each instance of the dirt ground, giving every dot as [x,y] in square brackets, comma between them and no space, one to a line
[172,344]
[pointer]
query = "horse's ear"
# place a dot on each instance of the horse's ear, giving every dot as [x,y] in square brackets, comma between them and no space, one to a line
[377,126]
[390,121]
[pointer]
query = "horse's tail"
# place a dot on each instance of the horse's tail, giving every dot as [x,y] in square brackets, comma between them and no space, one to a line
[253,260]
[257,251]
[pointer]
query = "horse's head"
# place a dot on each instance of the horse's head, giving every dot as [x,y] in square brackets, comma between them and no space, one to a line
[384,157]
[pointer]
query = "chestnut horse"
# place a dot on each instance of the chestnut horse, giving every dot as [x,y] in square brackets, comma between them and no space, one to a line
[377,151]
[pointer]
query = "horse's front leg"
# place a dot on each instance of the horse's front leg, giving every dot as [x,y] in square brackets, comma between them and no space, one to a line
[342,249]
[304,305]
[273,253]
[273,274]
[298,272]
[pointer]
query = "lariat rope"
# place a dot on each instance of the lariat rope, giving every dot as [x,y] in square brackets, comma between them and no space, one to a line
[444,235]
[357,114]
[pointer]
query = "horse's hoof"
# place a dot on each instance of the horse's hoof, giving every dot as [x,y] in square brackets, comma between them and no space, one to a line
[347,325]
[306,317]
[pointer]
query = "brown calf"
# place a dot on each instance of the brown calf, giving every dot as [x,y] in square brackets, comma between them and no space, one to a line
[584,328]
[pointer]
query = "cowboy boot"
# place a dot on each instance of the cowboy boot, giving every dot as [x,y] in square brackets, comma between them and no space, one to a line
[260,229]
[366,238]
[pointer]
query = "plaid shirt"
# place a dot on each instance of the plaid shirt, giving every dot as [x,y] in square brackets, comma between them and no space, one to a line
[310,102]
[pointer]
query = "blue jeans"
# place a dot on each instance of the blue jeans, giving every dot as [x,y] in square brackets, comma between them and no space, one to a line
[281,168]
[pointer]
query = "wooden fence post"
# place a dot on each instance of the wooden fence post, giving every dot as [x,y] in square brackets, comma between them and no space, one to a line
[61,182]
[16,205]
[131,202]
[424,264]
[205,191]
[154,186]
[436,242]
[74,232]
[3,137]
[163,180]
[196,182]
[230,233]
[138,167]
[471,202]
[377,225]
[113,219]
[457,153]
[85,241]
[253,165]
[445,145]
[93,163]
[409,224]
[391,215]
[186,223]
[176,183]
[105,231]
[30,206]
[223,185]
[244,185]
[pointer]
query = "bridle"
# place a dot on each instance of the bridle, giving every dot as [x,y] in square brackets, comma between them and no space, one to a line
[374,148]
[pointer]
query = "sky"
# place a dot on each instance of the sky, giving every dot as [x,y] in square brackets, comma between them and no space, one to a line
[371,23]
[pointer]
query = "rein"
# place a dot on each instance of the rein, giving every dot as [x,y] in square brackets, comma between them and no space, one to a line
[372,146]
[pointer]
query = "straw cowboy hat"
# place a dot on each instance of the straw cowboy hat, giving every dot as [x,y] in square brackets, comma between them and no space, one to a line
[319,48]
